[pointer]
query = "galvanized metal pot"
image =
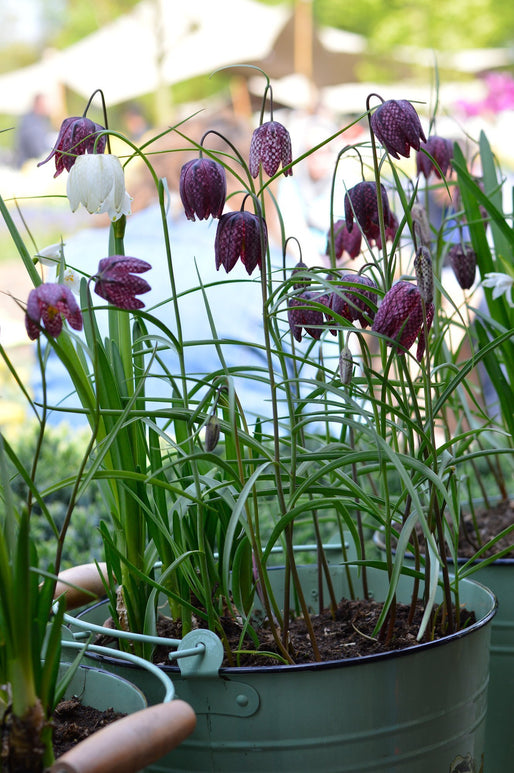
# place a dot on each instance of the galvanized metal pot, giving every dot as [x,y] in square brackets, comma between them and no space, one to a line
[499,738]
[412,711]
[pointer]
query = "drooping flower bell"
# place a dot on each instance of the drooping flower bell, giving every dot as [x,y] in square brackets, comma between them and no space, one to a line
[397,127]
[47,304]
[391,229]
[441,151]
[345,241]
[76,137]
[117,283]
[98,183]
[360,204]
[203,188]
[270,146]
[400,318]
[240,235]
[354,304]
[463,261]
[303,314]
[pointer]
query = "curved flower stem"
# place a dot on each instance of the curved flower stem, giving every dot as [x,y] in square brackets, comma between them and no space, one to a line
[380,207]
[290,558]
[434,506]
[331,237]
[104,110]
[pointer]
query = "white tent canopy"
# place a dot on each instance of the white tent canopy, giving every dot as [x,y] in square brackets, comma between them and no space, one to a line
[160,42]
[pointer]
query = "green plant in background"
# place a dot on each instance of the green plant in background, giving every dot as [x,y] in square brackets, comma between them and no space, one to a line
[63,449]
[483,208]
[360,432]
[30,621]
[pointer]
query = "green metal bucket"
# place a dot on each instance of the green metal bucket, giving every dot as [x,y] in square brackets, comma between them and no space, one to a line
[499,739]
[420,710]
[103,689]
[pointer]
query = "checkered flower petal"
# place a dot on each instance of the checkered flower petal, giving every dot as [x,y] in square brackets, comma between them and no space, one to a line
[270,146]
[400,317]
[360,204]
[116,281]
[240,235]
[354,304]
[397,127]
[441,151]
[203,188]
[302,314]
[76,137]
[47,304]
[345,242]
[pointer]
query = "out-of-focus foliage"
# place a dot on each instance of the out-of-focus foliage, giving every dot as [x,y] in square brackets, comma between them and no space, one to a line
[445,25]
[82,18]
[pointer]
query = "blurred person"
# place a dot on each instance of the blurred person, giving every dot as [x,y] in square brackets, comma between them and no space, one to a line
[135,121]
[305,198]
[34,134]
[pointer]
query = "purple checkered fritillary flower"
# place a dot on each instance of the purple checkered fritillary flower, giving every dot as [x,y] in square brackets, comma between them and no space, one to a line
[76,137]
[270,146]
[400,318]
[463,261]
[303,314]
[240,235]
[203,188]
[397,127]
[117,282]
[361,205]
[47,305]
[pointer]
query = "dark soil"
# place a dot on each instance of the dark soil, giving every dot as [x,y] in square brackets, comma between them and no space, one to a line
[350,631]
[346,634]
[478,528]
[73,722]
[485,525]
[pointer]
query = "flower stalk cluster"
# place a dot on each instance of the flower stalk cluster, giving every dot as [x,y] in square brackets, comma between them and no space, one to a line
[362,389]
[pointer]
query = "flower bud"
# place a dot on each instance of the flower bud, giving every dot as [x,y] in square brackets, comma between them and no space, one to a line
[212,433]
[302,281]
[420,224]
[463,261]
[345,366]
[424,274]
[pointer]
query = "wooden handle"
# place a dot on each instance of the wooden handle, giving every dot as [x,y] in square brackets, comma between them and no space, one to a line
[81,584]
[131,743]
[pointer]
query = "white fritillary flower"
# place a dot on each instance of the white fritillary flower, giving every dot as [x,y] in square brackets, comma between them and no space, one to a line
[501,285]
[52,255]
[97,182]
[72,279]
